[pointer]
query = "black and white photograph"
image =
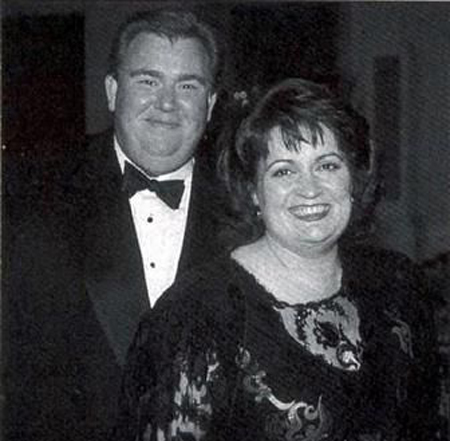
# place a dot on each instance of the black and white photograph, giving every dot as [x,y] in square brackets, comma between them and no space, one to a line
[225,220]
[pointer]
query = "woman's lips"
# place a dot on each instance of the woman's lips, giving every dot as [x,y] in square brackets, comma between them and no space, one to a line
[310,213]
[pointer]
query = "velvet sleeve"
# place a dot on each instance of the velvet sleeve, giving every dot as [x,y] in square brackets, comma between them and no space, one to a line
[414,365]
[423,386]
[175,384]
[400,386]
[139,377]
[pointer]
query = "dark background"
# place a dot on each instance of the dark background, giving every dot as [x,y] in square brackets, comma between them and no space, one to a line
[50,103]
[390,58]
[44,58]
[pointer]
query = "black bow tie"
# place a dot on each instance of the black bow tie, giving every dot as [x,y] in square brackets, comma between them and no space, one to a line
[169,192]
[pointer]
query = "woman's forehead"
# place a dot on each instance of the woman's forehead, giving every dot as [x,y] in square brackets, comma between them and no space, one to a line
[321,138]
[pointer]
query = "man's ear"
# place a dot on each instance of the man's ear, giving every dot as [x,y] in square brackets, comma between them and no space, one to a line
[111,92]
[212,98]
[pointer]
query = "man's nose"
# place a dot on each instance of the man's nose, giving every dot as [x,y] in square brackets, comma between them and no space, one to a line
[308,185]
[166,100]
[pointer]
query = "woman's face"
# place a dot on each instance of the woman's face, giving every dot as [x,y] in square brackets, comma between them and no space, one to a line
[304,196]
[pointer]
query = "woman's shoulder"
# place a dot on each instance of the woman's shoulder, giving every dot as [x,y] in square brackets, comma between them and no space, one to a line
[387,277]
[378,262]
[200,287]
[206,276]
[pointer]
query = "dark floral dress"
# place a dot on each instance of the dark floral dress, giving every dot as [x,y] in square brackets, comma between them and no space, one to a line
[221,359]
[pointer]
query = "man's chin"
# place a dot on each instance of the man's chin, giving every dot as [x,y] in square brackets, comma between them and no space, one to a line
[156,165]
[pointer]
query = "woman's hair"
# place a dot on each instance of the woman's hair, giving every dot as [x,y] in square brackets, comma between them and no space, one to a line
[302,110]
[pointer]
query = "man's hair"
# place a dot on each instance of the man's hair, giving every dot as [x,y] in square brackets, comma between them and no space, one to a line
[302,110]
[172,23]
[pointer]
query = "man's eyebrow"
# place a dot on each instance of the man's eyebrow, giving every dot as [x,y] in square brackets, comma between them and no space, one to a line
[156,74]
[194,77]
[141,72]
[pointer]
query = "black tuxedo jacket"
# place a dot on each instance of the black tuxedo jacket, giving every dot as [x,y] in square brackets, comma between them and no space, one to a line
[74,293]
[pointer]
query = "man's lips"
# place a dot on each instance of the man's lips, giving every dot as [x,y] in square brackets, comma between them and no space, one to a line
[162,123]
[310,213]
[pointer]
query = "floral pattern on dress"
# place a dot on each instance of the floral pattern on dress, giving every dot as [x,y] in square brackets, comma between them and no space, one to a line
[403,332]
[290,421]
[197,379]
[329,329]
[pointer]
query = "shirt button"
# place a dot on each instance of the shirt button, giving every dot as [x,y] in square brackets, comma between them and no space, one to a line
[152,264]
[150,219]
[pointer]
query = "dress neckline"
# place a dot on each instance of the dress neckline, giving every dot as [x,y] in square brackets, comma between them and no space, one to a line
[290,318]
[272,300]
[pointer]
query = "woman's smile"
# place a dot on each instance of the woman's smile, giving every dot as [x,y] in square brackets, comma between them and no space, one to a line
[310,213]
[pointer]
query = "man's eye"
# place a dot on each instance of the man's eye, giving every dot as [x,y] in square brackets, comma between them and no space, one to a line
[189,86]
[148,82]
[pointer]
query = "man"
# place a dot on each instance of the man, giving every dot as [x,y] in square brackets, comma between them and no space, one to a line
[122,226]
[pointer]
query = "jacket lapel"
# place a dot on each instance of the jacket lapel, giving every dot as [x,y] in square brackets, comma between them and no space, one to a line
[113,268]
[203,223]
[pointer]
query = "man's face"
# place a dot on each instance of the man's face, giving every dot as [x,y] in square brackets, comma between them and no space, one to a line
[162,99]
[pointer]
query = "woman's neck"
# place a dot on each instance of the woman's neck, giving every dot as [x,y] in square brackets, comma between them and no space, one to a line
[322,262]
[292,277]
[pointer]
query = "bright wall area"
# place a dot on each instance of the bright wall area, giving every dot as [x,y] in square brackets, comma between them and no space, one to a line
[416,222]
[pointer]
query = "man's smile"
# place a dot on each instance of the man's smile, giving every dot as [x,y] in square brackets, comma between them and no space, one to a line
[162,123]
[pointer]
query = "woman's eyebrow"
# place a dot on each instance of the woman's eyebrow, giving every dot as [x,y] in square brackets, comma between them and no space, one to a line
[277,161]
[334,154]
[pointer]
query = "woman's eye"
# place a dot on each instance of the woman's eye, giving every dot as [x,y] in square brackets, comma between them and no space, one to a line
[282,172]
[329,166]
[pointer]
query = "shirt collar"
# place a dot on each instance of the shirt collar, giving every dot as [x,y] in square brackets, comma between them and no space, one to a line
[183,172]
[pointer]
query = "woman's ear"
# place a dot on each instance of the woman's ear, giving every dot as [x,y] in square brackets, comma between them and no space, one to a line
[251,188]
[351,192]
[255,199]
[251,191]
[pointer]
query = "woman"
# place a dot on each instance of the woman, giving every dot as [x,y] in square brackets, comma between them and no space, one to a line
[296,335]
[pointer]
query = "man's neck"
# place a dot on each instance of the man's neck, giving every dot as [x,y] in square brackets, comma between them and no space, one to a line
[181,173]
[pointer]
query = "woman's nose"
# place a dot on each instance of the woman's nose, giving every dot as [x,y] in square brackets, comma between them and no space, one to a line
[166,100]
[308,185]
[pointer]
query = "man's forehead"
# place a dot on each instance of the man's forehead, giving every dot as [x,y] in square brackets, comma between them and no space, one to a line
[154,41]
[149,47]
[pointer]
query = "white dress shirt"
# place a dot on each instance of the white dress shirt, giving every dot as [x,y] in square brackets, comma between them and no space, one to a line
[160,230]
